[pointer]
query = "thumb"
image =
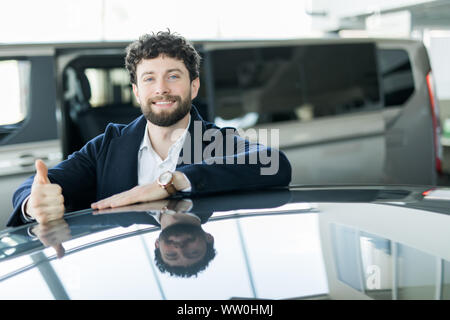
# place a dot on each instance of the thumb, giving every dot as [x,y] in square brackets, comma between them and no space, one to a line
[60,251]
[41,172]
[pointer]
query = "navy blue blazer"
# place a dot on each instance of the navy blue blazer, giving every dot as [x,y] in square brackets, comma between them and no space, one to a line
[108,164]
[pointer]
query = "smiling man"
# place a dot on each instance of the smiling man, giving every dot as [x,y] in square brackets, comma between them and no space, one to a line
[169,150]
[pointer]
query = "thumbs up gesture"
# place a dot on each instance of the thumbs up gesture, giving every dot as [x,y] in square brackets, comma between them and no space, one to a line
[41,176]
[46,202]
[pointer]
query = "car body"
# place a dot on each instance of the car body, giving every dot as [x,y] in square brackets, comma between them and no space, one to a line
[344,111]
[366,242]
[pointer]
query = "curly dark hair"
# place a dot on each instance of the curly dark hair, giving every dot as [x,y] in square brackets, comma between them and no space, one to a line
[186,272]
[150,46]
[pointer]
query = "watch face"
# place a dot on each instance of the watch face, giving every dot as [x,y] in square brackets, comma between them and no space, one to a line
[165,178]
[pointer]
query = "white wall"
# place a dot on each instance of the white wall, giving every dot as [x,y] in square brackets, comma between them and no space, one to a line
[89,20]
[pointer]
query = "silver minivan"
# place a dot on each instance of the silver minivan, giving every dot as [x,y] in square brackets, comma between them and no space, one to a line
[346,111]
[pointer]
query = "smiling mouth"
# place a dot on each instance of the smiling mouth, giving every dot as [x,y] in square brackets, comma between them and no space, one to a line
[163,103]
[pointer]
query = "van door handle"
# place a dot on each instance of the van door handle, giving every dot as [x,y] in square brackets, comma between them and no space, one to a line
[29,159]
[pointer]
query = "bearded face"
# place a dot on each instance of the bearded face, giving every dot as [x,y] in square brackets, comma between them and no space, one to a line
[164,90]
[165,111]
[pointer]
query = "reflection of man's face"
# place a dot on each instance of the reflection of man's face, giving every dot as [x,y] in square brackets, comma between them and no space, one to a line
[183,244]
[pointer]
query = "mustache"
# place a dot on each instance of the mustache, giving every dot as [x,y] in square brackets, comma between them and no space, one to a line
[164,98]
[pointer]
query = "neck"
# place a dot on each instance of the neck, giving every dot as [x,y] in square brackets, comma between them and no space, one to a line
[167,134]
[162,138]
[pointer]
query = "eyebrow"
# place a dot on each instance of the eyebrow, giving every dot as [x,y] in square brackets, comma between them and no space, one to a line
[168,71]
[192,256]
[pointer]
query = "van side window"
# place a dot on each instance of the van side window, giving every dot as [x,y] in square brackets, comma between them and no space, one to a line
[110,86]
[396,76]
[300,83]
[14,90]
[95,96]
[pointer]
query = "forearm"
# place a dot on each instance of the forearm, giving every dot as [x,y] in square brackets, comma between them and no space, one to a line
[210,178]
[237,165]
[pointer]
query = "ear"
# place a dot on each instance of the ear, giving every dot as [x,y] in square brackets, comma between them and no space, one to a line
[136,92]
[157,244]
[209,238]
[195,85]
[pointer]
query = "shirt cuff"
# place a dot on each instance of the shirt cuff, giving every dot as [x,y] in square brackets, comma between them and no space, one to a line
[26,217]
[188,189]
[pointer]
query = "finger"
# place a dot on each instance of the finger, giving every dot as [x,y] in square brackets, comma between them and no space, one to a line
[60,251]
[45,189]
[118,200]
[43,203]
[47,214]
[106,203]
[41,172]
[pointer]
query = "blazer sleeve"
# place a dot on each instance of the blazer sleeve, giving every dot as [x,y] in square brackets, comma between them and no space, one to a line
[250,166]
[76,176]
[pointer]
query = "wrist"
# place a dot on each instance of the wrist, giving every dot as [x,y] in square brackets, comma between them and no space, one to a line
[24,209]
[180,181]
[173,182]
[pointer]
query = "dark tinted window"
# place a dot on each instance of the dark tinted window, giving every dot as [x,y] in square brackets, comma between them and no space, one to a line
[271,84]
[396,75]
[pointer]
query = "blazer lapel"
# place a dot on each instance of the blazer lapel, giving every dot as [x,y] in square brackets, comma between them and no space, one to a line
[121,164]
[120,173]
[194,142]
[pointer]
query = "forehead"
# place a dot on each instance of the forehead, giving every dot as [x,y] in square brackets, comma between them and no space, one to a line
[161,64]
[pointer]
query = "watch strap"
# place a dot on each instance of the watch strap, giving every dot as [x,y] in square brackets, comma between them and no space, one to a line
[170,188]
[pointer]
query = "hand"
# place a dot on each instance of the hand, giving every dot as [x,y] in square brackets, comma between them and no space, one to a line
[141,207]
[53,234]
[182,205]
[144,193]
[46,202]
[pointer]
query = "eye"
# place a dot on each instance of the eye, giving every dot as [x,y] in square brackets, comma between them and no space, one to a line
[148,79]
[173,76]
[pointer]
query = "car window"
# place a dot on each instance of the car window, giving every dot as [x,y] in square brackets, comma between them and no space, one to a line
[109,86]
[396,76]
[272,84]
[14,90]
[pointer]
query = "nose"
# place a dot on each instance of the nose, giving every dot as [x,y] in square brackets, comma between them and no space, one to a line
[181,245]
[162,88]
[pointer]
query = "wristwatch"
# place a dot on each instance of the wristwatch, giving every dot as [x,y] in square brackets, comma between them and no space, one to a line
[165,181]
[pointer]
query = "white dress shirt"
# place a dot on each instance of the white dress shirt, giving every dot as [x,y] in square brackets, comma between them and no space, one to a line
[150,164]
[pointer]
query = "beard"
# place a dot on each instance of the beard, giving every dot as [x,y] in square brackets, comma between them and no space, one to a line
[167,118]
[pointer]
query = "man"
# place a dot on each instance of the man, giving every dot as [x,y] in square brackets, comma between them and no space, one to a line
[140,162]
